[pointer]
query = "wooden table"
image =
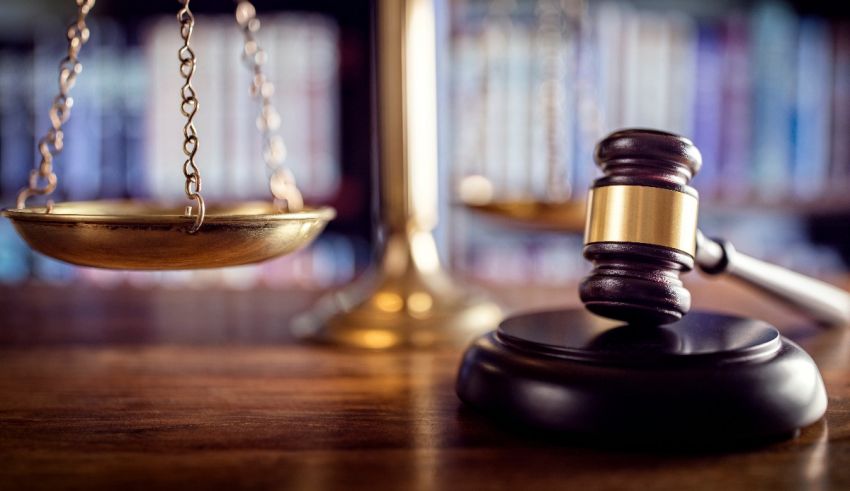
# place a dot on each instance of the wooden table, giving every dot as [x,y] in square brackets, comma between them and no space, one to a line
[132,389]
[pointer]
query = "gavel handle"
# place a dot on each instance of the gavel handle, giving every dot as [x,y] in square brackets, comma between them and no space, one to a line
[821,301]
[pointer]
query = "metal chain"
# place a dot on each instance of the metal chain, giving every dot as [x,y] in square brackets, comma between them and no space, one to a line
[282,181]
[42,181]
[189,107]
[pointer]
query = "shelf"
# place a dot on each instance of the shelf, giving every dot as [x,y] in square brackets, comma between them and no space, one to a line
[827,205]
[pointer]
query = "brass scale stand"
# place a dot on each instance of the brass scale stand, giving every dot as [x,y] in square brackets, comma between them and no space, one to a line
[408,299]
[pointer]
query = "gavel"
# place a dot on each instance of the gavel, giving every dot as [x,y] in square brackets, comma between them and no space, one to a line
[641,234]
[689,380]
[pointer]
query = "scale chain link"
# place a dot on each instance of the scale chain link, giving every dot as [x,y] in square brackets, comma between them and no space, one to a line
[281,182]
[189,107]
[43,181]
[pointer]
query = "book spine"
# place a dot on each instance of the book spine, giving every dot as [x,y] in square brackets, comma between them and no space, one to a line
[109,84]
[814,94]
[16,131]
[138,155]
[589,116]
[15,159]
[774,60]
[682,82]
[736,109]
[708,117]
[609,20]
[839,172]
[163,127]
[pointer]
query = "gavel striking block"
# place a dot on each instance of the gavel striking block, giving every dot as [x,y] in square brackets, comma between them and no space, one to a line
[634,367]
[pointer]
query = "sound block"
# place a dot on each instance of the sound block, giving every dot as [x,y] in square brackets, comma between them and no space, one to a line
[706,378]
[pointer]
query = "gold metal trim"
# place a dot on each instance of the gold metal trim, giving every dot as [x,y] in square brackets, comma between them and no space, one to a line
[151,236]
[128,213]
[562,216]
[642,214]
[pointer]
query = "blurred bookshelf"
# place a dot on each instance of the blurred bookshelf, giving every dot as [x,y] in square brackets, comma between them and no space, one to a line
[761,86]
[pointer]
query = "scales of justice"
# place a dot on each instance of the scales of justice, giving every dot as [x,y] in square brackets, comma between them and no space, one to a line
[407,300]
[704,375]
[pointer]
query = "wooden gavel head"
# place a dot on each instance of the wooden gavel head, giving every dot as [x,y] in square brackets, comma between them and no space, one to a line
[641,227]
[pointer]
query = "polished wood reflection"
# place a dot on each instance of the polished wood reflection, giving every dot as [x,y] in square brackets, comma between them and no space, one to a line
[107,389]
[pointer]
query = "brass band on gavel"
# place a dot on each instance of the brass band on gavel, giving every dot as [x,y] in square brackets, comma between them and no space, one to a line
[643,215]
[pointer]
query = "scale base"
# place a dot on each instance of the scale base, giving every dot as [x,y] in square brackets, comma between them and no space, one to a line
[409,301]
[708,379]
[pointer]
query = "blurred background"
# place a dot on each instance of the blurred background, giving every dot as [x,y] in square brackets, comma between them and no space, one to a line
[526,89]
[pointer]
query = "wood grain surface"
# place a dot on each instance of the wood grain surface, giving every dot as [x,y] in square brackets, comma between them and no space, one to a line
[144,389]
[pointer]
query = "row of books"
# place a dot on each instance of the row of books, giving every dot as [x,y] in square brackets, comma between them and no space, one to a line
[763,92]
[124,137]
[748,86]
[302,64]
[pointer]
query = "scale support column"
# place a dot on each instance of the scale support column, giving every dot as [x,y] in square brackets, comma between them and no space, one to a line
[407,298]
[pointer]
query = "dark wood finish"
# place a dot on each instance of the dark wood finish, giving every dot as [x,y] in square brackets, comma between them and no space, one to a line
[640,283]
[139,389]
[706,381]
[643,157]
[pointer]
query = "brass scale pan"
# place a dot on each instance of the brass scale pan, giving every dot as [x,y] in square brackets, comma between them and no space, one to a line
[147,236]
[138,235]
[557,216]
